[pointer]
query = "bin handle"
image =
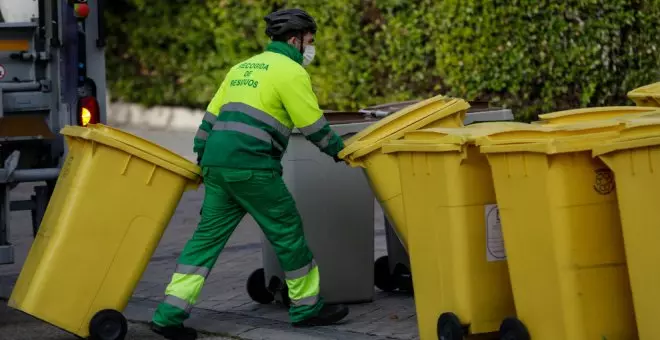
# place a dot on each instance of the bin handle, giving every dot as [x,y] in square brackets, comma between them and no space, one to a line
[193,185]
[354,163]
[411,146]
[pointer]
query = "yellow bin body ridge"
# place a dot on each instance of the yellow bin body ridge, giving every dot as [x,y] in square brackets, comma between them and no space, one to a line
[364,150]
[458,262]
[110,207]
[635,159]
[562,232]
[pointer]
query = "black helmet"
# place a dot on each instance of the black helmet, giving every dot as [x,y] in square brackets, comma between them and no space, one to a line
[287,20]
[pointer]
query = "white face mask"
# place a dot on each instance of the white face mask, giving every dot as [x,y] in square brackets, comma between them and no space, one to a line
[309,54]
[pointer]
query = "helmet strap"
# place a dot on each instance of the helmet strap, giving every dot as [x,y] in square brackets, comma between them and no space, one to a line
[302,36]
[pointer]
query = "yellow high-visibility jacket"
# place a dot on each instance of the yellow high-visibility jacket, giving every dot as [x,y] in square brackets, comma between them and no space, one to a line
[251,117]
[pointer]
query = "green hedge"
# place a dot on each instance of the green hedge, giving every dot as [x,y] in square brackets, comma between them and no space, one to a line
[533,56]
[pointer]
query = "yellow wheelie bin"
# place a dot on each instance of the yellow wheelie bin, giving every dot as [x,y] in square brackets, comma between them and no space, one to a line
[648,95]
[597,113]
[113,200]
[364,150]
[562,231]
[635,157]
[458,261]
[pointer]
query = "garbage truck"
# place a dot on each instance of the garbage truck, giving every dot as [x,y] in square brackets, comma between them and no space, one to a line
[52,74]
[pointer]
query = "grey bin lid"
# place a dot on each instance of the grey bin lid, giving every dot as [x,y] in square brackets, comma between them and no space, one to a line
[479,111]
[476,107]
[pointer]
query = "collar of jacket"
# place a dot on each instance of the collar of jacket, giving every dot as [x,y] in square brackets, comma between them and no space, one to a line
[285,49]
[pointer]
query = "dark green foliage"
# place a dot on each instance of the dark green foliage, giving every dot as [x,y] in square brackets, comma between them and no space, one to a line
[532,55]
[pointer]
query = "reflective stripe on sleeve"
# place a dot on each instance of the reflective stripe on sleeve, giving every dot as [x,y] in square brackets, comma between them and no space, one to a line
[314,127]
[325,141]
[210,118]
[201,134]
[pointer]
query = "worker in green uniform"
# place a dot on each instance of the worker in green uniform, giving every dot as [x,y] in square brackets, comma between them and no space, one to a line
[240,144]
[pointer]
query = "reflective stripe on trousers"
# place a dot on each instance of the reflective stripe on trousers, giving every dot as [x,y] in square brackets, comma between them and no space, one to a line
[185,287]
[304,285]
[209,118]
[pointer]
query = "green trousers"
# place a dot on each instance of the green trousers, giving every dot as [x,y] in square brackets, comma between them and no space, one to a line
[230,194]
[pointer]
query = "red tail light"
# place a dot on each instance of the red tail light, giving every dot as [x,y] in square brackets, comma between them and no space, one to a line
[88,111]
[81,10]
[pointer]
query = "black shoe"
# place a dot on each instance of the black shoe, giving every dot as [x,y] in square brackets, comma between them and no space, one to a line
[328,315]
[174,332]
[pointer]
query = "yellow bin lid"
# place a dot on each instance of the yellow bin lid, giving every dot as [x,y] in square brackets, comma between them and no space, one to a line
[465,134]
[648,95]
[596,113]
[448,139]
[136,146]
[540,133]
[637,133]
[553,139]
[395,125]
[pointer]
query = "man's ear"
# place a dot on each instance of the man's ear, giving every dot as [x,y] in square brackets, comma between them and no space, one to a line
[293,41]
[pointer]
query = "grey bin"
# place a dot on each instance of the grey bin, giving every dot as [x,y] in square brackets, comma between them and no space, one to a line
[392,271]
[337,207]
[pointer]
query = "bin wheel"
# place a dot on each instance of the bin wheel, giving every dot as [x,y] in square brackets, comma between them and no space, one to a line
[257,289]
[513,329]
[383,279]
[286,300]
[108,324]
[449,327]
[403,278]
[279,288]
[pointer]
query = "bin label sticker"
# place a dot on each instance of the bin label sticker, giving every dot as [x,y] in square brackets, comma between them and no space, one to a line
[494,241]
[604,183]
